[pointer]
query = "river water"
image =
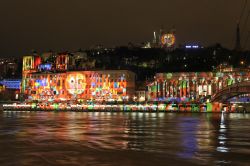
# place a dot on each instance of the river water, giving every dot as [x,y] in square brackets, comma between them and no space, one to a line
[123,139]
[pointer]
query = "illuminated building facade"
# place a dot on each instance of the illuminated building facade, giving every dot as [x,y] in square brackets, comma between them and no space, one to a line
[30,65]
[11,83]
[192,86]
[2,87]
[10,89]
[99,86]
[50,63]
[62,61]
[31,62]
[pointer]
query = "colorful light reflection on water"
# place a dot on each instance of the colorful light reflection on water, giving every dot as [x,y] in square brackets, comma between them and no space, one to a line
[106,138]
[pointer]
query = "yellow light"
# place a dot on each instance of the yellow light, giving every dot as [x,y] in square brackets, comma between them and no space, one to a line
[76,83]
[168,39]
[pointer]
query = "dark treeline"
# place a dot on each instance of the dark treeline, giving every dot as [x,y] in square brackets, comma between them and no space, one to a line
[145,62]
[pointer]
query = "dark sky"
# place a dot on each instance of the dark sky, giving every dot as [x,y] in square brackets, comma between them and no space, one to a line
[73,24]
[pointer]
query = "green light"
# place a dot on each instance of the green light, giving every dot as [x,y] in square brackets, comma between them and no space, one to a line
[209,107]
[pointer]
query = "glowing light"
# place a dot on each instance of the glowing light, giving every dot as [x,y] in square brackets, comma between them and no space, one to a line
[75,83]
[168,40]
[192,46]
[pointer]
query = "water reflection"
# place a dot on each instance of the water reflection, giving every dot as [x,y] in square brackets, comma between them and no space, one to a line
[188,128]
[134,138]
[222,136]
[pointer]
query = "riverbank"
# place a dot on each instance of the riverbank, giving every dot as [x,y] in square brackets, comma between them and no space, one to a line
[199,108]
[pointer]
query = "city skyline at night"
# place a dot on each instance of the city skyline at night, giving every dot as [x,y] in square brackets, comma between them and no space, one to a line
[124,82]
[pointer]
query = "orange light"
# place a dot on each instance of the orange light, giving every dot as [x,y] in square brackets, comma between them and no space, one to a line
[168,40]
[75,83]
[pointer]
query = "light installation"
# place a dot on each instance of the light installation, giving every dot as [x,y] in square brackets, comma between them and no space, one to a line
[192,86]
[31,62]
[45,67]
[30,65]
[181,107]
[62,61]
[80,85]
[11,84]
[53,82]
[75,83]
[168,40]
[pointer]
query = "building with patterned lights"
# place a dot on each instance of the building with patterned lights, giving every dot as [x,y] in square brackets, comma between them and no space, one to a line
[193,86]
[55,82]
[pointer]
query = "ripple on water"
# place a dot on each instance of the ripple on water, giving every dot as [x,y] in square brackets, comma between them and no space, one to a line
[50,138]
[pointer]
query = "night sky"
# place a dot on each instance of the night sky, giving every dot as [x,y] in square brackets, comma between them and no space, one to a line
[72,24]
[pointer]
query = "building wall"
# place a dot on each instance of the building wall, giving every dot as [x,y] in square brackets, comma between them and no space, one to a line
[110,85]
[192,86]
[9,94]
[30,65]
[11,83]
[62,61]
[31,62]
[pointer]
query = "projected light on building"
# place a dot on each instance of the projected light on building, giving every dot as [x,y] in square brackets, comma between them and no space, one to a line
[192,86]
[75,83]
[80,86]
[11,84]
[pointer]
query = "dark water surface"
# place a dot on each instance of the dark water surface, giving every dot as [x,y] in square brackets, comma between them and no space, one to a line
[123,139]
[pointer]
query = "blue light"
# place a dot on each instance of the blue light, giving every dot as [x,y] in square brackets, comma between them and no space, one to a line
[45,67]
[93,84]
[115,85]
[11,84]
